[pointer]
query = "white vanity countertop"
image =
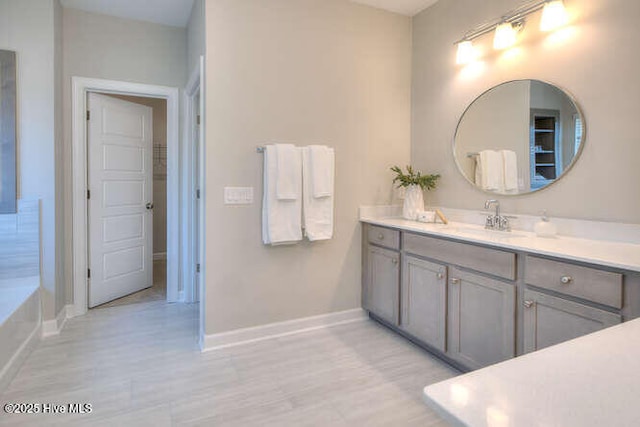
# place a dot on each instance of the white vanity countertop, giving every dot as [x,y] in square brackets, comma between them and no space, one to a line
[622,255]
[593,380]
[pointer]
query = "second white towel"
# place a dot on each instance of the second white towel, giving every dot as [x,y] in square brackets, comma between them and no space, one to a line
[510,170]
[317,211]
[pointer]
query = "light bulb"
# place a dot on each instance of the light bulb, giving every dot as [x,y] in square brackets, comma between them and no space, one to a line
[466,52]
[554,16]
[505,36]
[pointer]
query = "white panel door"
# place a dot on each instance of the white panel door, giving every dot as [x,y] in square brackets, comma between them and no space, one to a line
[120,205]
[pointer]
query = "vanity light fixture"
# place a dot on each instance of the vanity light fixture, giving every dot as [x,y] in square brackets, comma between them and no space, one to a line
[466,52]
[554,16]
[504,37]
[506,27]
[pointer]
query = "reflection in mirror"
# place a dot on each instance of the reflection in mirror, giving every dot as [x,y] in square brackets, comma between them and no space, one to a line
[7,131]
[518,137]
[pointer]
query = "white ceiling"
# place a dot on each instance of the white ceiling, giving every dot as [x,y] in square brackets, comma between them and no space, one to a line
[404,7]
[167,12]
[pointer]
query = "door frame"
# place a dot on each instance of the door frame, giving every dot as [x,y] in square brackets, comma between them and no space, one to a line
[195,86]
[189,159]
[81,86]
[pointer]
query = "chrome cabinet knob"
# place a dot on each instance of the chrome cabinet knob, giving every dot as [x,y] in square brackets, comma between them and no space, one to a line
[455,281]
[149,206]
[394,261]
[565,280]
[440,276]
[380,236]
[528,304]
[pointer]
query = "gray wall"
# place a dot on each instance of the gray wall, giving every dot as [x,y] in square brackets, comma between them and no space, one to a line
[596,61]
[106,47]
[303,72]
[31,28]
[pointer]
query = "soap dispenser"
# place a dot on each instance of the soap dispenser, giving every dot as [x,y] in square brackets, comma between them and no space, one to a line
[544,227]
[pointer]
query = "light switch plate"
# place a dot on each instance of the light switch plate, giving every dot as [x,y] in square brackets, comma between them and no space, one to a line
[238,195]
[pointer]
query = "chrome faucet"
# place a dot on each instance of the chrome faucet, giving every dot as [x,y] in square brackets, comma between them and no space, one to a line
[497,221]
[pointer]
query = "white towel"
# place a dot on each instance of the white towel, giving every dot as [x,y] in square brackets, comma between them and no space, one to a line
[317,212]
[510,165]
[321,164]
[289,174]
[281,219]
[490,170]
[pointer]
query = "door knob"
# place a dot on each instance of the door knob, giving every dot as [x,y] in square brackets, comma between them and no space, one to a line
[149,206]
[455,281]
[440,276]
[394,261]
[566,280]
[380,236]
[528,304]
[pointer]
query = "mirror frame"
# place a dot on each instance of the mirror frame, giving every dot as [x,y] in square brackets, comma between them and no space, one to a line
[8,144]
[566,170]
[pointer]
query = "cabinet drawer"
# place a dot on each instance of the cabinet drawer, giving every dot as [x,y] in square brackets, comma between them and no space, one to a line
[583,282]
[383,237]
[491,261]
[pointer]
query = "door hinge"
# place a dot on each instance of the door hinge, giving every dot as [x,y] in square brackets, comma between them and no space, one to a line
[198,119]
[198,194]
[88,273]
[88,194]
[88,115]
[197,268]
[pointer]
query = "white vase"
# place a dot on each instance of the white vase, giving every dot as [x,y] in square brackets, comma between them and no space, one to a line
[413,202]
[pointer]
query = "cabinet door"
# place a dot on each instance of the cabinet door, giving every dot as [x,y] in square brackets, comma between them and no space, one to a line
[424,301]
[383,287]
[549,320]
[481,319]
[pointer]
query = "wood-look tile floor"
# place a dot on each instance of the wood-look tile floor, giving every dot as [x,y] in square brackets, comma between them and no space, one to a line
[139,365]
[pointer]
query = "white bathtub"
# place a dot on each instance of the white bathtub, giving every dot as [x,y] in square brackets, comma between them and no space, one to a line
[20,318]
[20,325]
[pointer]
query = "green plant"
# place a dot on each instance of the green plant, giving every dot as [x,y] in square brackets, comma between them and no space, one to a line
[426,182]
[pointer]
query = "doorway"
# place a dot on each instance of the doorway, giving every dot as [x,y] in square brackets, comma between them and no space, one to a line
[82,87]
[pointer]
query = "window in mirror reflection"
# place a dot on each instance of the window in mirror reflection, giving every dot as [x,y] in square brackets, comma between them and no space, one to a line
[7,131]
[518,137]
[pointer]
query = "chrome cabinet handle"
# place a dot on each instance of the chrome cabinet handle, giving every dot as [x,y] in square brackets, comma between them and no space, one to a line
[440,276]
[149,206]
[528,304]
[455,281]
[565,280]
[380,236]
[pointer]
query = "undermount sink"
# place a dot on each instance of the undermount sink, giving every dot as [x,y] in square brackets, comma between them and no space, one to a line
[489,234]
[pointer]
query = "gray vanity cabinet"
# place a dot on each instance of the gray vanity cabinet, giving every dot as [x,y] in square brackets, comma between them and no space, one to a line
[479,304]
[481,321]
[382,283]
[424,301]
[550,320]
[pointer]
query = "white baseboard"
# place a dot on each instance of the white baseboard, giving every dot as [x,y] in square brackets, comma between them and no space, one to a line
[279,329]
[13,366]
[53,327]
[160,256]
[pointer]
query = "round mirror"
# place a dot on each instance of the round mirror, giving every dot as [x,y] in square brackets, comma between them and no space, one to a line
[519,137]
